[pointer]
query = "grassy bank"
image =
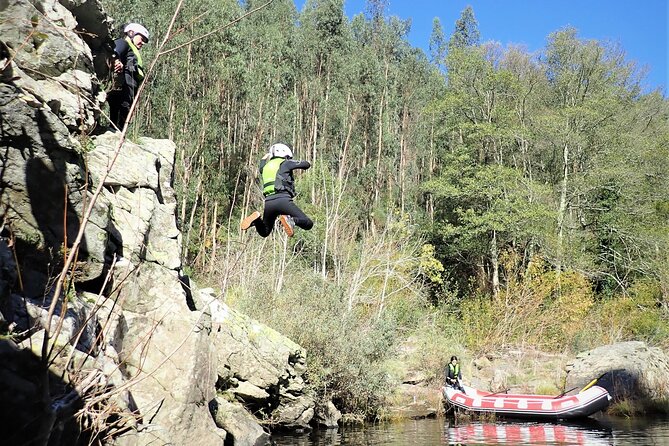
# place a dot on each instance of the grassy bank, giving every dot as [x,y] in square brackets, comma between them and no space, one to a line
[372,314]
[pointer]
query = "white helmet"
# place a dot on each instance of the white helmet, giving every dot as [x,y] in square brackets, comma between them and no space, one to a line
[137,29]
[281,151]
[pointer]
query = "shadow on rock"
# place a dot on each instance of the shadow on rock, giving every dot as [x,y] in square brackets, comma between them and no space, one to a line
[36,406]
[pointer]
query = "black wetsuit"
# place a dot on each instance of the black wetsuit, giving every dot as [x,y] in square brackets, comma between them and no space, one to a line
[281,201]
[128,81]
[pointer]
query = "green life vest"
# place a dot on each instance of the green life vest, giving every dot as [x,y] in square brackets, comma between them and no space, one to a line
[138,56]
[268,173]
[455,370]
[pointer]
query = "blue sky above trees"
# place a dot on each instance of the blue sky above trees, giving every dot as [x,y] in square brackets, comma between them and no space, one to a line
[639,27]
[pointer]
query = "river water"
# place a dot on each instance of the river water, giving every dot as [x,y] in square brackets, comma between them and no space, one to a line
[428,432]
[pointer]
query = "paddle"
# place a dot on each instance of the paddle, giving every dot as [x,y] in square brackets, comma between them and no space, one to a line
[592,383]
[499,391]
[565,392]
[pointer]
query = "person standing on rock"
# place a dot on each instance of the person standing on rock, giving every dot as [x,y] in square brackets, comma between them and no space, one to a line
[128,72]
[278,183]
[454,374]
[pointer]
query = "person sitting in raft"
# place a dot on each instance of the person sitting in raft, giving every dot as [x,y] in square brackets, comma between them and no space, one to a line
[454,374]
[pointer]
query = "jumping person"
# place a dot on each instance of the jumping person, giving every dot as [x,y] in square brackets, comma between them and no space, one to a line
[276,174]
[128,72]
[454,374]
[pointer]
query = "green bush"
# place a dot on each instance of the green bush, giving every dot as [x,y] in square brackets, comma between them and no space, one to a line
[346,349]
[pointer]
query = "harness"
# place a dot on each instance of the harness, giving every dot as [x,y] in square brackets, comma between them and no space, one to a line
[138,57]
[269,172]
[454,370]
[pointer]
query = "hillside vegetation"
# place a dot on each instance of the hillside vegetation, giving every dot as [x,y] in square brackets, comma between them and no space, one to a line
[474,198]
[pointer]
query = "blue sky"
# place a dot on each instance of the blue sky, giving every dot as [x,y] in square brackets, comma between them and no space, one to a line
[640,26]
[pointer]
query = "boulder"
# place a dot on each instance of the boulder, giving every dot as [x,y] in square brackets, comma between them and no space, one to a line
[255,352]
[133,168]
[238,423]
[628,370]
[482,363]
[499,381]
[247,392]
[414,401]
[46,190]
[95,28]
[254,360]
[49,95]
[73,325]
[48,45]
[138,185]
[327,415]
[294,412]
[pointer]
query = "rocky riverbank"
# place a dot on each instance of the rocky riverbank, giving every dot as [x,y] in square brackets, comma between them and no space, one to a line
[633,373]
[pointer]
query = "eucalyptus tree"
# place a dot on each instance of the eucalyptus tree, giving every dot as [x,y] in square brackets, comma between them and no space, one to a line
[481,120]
[437,44]
[590,88]
[619,197]
[482,211]
[323,44]
[466,31]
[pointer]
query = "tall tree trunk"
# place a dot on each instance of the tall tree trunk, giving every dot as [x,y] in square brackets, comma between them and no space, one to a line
[379,176]
[494,262]
[562,209]
[314,144]
[214,230]
[403,155]
[432,164]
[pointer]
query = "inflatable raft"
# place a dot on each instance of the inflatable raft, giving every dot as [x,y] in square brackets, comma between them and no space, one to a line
[537,407]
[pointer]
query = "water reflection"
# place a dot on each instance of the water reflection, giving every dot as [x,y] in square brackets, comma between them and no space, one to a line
[591,433]
[606,431]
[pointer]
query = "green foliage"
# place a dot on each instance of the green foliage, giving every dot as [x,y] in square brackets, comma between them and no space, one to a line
[437,43]
[483,210]
[345,348]
[624,408]
[637,315]
[430,267]
[466,30]
[547,389]
[526,194]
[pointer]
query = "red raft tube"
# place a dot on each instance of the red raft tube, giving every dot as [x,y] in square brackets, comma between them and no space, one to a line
[535,407]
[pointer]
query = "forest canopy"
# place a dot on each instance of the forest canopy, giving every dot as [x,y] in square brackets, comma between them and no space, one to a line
[518,196]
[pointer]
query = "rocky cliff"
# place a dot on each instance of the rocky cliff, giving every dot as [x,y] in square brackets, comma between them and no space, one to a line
[136,352]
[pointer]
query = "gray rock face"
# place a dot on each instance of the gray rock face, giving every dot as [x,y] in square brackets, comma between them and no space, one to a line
[240,424]
[47,91]
[261,367]
[172,372]
[138,187]
[44,42]
[156,350]
[628,370]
